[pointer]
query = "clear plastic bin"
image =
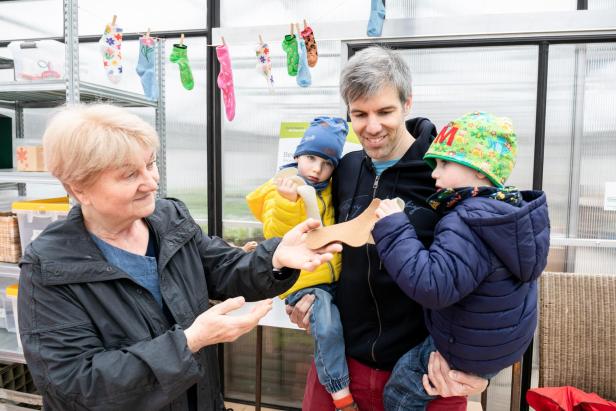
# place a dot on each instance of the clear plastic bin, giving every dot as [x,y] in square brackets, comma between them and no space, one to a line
[38,60]
[10,307]
[6,309]
[33,216]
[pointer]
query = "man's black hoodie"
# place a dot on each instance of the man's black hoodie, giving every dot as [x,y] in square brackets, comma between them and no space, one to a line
[380,322]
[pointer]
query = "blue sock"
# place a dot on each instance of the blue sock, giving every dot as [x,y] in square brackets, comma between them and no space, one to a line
[377,16]
[303,73]
[145,67]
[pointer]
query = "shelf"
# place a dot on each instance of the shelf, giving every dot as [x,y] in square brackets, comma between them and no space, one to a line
[51,93]
[9,270]
[9,350]
[8,175]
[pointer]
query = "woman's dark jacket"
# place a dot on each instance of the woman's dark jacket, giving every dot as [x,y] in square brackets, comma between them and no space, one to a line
[96,340]
[477,281]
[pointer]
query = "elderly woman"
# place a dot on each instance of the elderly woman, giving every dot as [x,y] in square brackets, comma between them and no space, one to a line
[114,309]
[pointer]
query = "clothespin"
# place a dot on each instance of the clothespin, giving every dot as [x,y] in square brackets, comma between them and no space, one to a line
[291,29]
[260,39]
[182,39]
[223,40]
[113,20]
[305,24]
[148,33]
[297,27]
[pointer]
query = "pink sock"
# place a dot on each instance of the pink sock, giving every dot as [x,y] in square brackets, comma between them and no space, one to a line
[225,80]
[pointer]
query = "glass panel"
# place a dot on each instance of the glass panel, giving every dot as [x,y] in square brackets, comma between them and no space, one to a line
[448,83]
[136,16]
[579,156]
[244,13]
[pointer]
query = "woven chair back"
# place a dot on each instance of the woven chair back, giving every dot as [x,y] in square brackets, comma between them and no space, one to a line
[577,332]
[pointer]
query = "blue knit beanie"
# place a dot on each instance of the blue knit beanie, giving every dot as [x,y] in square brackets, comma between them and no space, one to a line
[325,138]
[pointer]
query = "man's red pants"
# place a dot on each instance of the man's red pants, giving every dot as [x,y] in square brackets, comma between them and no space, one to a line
[367,388]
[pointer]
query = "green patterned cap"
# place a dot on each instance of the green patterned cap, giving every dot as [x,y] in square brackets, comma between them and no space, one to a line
[480,141]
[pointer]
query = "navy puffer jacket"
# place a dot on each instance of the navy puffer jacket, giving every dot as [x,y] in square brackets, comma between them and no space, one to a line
[477,281]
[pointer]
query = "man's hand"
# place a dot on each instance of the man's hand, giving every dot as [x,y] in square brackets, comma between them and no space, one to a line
[299,314]
[287,188]
[293,252]
[387,207]
[443,381]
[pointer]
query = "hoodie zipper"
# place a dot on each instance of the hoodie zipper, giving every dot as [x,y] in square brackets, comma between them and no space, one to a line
[332,275]
[375,185]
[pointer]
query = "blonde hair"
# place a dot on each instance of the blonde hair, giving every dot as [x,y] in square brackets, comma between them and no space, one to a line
[83,140]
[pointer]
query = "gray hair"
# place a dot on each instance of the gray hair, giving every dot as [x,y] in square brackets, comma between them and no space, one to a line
[371,69]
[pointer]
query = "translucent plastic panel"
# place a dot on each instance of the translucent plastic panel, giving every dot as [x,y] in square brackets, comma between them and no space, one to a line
[269,12]
[448,83]
[250,141]
[580,129]
[138,15]
[601,4]
[30,19]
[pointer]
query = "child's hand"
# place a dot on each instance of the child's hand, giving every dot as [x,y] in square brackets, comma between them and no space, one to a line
[287,188]
[387,207]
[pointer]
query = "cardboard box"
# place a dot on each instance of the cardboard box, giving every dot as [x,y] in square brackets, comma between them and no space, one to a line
[30,158]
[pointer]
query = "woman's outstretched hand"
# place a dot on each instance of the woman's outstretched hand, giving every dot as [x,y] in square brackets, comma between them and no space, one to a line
[215,326]
[293,252]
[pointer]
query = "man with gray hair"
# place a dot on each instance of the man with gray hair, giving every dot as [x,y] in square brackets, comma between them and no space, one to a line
[380,322]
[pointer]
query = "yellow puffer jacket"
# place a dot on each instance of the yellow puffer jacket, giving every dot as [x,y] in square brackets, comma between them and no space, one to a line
[279,215]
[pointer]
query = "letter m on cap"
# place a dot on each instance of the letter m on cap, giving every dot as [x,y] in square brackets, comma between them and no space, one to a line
[446,133]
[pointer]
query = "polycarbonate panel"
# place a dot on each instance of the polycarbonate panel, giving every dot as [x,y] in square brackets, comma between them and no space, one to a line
[270,12]
[450,82]
[30,19]
[579,155]
[250,141]
[601,4]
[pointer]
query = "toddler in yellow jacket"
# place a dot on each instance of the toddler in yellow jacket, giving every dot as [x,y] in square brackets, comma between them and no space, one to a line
[277,205]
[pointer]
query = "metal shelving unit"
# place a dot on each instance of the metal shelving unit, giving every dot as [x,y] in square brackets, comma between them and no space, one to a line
[20,95]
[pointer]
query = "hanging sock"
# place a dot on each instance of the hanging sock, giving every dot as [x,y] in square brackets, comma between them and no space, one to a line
[225,80]
[111,45]
[377,16]
[145,67]
[289,45]
[264,64]
[303,74]
[179,55]
[311,46]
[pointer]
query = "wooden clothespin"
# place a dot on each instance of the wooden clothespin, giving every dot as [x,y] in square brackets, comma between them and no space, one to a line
[113,20]
[182,39]
[292,29]
[297,27]
[305,24]
[148,33]
[260,39]
[223,40]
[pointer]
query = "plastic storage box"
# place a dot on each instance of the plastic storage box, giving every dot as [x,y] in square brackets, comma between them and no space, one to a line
[38,60]
[33,216]
[5,305]
[10,309]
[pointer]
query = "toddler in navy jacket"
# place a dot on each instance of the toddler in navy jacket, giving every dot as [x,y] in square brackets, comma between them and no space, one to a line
[478,280]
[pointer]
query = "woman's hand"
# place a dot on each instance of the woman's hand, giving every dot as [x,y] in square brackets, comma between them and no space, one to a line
[443,381]
[387,207]
[287,188]
[215,326]
[299,314]
[293,252]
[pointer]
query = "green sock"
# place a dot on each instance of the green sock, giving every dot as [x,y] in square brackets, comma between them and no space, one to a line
[179,55]
[289,45]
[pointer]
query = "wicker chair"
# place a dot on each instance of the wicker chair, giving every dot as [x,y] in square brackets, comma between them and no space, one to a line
[577,332]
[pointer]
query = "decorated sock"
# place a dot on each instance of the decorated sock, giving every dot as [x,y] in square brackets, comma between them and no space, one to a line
[289,45]
[145,67]
[225,80]
[264,64]
[111,45]
[179,55]
[311,46]
[377,15]
[303,73]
